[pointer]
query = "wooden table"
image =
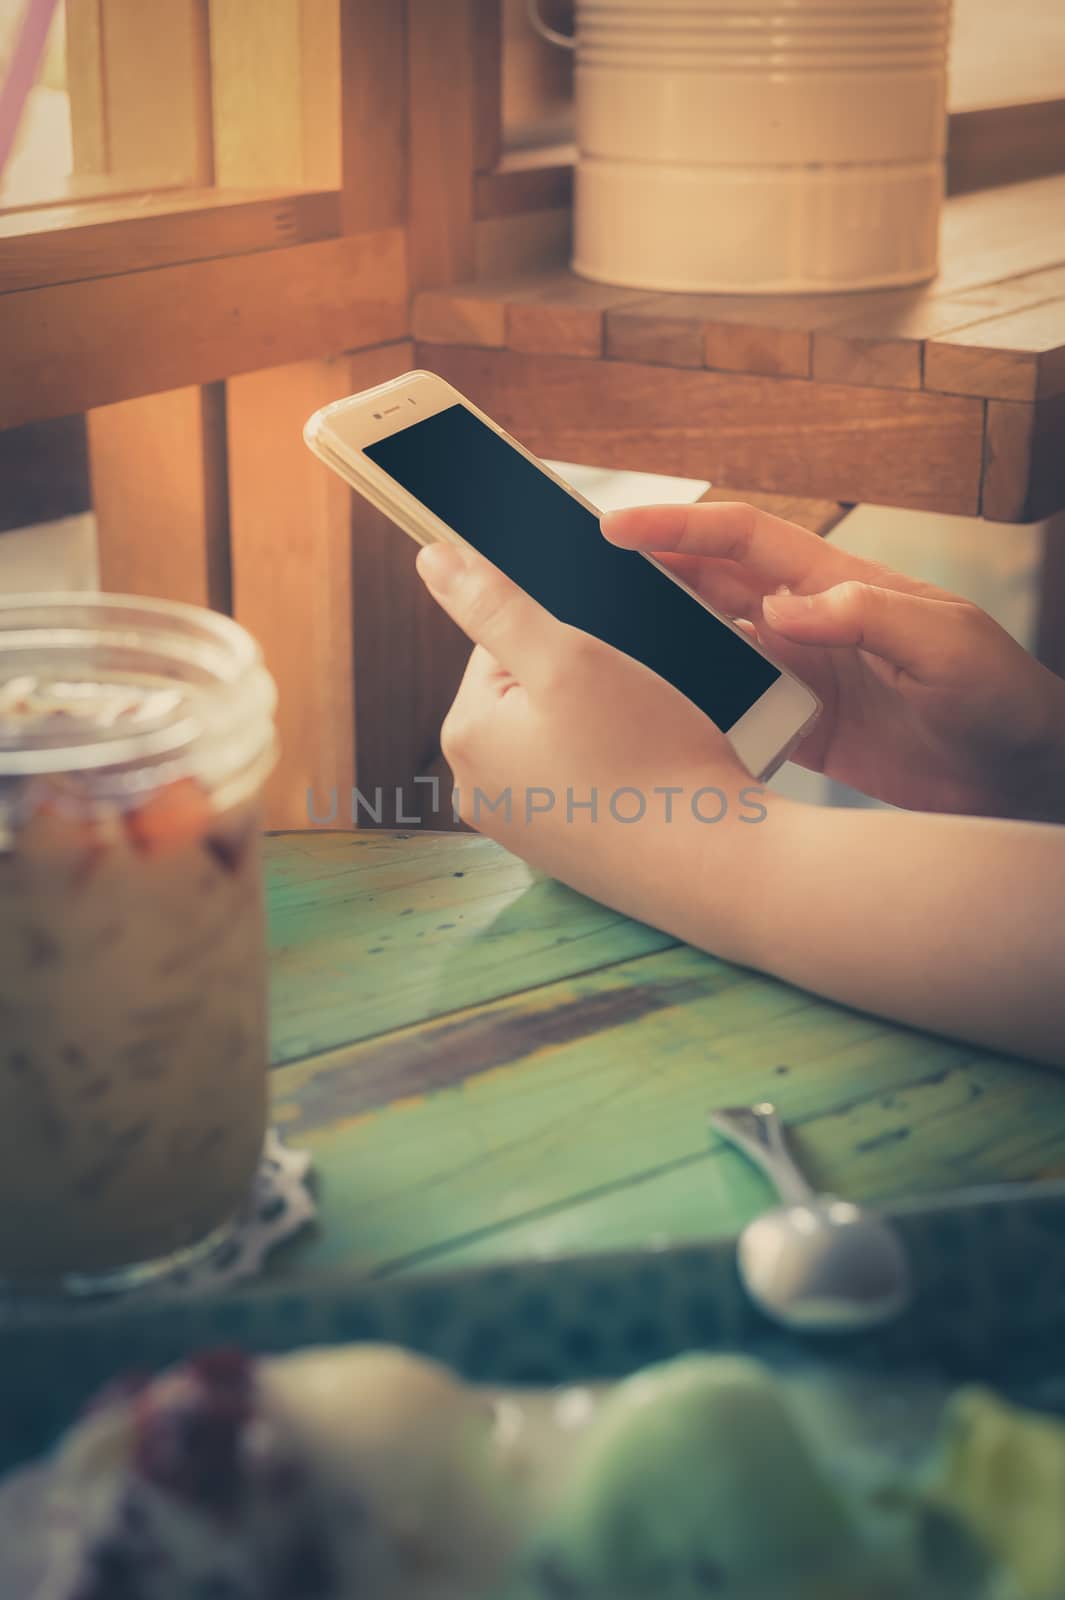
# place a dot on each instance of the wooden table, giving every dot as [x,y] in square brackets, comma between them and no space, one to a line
[488,1066]
[949,397]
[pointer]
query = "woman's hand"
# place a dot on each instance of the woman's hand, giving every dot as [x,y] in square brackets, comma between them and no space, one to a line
[585,762]
[929,704]
[948,923]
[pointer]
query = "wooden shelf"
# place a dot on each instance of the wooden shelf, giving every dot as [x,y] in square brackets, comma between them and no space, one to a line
[76,346]
[949,397]
[104,237]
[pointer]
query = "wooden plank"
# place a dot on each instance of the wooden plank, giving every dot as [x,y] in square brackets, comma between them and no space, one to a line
[320,92]
[1019,356]
[732,333]
[513,188]
[1046,491]
[467,315]
[257,92]
[1050,636]
[466,1119]
[819,441]
[553,312]
[385,937]
[1007,461]
[994,145]
[159,494]
[560,315]
[291,557]
[85,188]
[441,157]
[529,242]
[665,330]
[1001,233]
[819,516]
[80,345]
[68,243]
[373,113]
[487,85]
[885,347]
[156,87]
[85,85]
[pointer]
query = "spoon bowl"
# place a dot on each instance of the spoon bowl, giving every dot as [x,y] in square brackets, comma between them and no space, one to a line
[816,1263]
[824,1266]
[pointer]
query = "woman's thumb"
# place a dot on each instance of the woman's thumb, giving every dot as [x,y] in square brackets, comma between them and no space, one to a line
[904,629]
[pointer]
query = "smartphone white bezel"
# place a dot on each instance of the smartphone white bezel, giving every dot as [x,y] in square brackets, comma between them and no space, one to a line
[339,433]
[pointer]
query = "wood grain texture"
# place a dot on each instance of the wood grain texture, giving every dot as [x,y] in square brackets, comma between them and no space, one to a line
[560,315]
[517,187]
[156,91]
[1050,629]
[290,535]
[68,243]
[159,493]
[1046,490]
[1024,471]
[257,92]
[441,153]
[85,85]
[885,346]
[768,334]
[82,188]
[1008,434]
[456,1026]
[1018,356]
[354,913]
[373,113]
[81,345]
[320,93]
[527,242]
[1000,233]
[785,436]
[448,316]
[487,84]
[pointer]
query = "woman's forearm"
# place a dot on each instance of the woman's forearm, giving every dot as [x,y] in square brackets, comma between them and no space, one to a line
[953,924]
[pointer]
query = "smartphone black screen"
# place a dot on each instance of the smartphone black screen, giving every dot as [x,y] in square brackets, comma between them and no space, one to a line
[553,549]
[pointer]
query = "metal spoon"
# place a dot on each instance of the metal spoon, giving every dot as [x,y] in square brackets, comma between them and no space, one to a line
[815,1263]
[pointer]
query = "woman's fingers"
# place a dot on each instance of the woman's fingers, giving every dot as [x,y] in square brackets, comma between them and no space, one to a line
[778,552]
[725,585]
[491,610]
[928,637]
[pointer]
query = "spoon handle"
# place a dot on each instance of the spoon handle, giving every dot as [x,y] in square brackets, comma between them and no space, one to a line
[759,1133]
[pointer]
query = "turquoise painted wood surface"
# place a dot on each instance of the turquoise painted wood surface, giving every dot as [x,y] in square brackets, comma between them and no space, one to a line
[488,1066]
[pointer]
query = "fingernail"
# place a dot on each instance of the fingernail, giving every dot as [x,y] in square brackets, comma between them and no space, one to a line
[784,605]
[440,566]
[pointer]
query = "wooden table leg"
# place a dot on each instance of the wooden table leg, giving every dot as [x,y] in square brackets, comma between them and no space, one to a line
[1050,628]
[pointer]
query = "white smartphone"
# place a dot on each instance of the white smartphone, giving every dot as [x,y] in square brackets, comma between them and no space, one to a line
[424,455]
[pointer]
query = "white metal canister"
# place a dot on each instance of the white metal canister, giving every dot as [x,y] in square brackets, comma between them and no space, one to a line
[759,145]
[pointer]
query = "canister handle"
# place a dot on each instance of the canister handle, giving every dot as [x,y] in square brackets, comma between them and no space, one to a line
[567,41]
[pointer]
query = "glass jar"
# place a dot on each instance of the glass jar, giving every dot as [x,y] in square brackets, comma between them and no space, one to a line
[135,736]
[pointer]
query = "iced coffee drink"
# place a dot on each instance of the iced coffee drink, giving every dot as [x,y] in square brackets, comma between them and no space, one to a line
[134,739]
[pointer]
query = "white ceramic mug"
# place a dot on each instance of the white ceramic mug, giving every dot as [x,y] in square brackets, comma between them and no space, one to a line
[759,145]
